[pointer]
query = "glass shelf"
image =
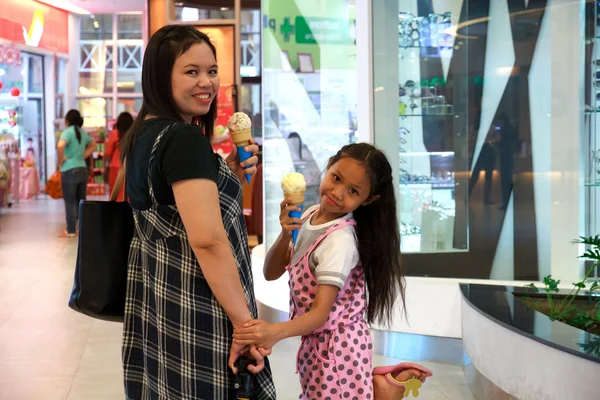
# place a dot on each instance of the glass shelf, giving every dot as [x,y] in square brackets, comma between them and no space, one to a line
[426,47]
[427,115]
[592,184]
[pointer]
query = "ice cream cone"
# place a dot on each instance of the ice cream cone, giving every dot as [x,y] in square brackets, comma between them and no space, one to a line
[241,138]
[297,198]
[240,131]
[294,187]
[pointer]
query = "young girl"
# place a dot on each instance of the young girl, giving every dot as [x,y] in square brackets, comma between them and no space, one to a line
[347,248]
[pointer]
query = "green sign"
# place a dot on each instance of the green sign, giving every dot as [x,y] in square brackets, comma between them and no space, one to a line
[313,30]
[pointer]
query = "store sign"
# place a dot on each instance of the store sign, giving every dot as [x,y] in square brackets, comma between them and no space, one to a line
[35,24]
[315,30]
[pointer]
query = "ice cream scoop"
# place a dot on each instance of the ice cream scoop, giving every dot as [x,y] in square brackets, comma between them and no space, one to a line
[240,125]
[294,187]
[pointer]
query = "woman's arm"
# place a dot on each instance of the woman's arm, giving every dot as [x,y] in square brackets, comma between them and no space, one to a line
[60,150]
[89,149]
[109,147]
[198,204]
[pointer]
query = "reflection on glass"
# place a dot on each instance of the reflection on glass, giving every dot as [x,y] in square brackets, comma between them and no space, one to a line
[129,26]
[95,111]
[130,47]
[96,55]
[36,73]
[426,116]
[251,106]
[96,66]
[250,40]
[308,113]
[97,27]
[131,105]
[191,13]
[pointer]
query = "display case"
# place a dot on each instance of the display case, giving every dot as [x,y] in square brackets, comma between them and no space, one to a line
[427,126]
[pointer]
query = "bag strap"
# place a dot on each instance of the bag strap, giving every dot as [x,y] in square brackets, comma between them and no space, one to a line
[119,183]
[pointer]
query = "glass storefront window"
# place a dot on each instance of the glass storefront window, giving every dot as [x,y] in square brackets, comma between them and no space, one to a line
[95,111]
[487,112]
[131,105]
[250,38]
[35,74]
[309,93]
[96,67]
[61,80]
[130,52]
[99,55]
[190,13]
[251,106]
[430,116]
[97,27]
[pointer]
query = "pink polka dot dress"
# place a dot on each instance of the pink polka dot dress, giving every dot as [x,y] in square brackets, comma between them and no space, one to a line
[333,362]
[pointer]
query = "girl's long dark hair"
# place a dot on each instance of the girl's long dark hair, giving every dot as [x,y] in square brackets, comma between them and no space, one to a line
[378,234]
[74,119]
[124,122]
[164,47]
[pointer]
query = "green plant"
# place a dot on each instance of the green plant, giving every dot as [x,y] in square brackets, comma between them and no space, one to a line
[565,311]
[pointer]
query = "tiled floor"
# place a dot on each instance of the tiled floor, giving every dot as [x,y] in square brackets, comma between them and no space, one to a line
[48,352]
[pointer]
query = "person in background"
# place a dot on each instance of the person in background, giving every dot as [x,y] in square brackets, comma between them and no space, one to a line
[112,154]
[74,146]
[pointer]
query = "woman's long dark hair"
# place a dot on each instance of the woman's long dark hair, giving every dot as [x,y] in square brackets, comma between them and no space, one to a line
[124,122]
[74,119]
[164,47]
[377,234]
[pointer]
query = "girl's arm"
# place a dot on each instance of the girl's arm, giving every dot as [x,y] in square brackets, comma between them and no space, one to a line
[264,334]
[277,257]
[279,254]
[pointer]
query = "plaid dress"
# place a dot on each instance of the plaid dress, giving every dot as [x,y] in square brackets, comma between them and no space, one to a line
[176,336]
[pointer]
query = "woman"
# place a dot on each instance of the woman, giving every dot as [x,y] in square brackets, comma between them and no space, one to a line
[74,146]
[189,280]
[112,155]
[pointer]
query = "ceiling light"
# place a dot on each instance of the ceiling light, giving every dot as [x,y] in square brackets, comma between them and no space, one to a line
[224,8]
[65,5]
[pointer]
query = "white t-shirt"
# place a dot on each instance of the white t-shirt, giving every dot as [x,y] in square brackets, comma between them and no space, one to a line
[336,255]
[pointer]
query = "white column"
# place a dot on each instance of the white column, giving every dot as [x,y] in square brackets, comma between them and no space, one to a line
[364,69]
[566,201]
[50,110]
[385,83]
[72,86]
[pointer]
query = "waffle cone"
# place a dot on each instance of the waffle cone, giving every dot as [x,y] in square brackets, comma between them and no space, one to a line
[296,198]
[241,138]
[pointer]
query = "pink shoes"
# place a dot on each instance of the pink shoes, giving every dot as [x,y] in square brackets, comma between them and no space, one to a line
[389,383]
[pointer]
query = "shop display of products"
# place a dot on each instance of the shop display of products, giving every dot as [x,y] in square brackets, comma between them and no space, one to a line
[432,102]
[440,177]
[407,229]
[429,31]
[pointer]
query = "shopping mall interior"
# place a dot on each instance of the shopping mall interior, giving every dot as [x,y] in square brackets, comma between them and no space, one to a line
[488,111]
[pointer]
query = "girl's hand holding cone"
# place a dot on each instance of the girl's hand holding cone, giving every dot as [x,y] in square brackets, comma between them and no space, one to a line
[288,224]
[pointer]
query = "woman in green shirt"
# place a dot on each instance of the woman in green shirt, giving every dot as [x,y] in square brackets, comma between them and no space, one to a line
[74,146]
